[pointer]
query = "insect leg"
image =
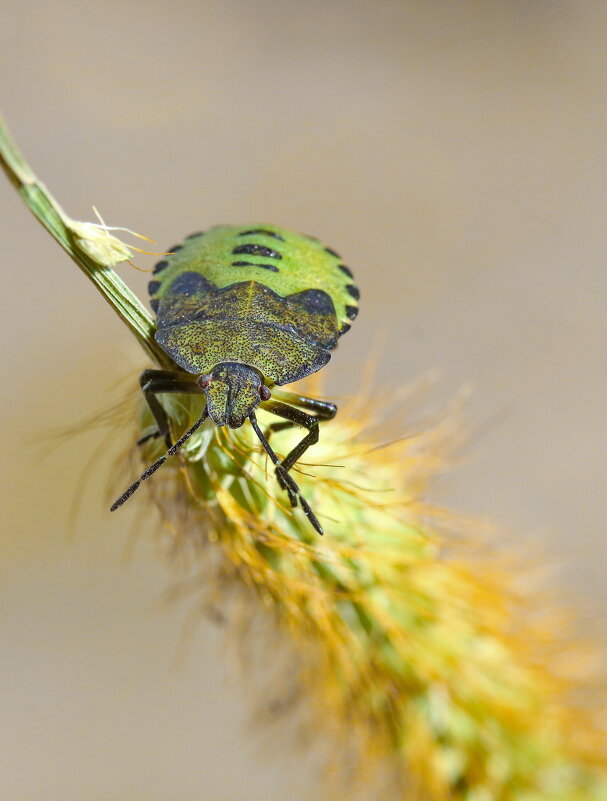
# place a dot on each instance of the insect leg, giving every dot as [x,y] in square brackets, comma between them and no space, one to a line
[296,417]
[159,462]
[287,482]
[156,382]
[323,409]
[274,427]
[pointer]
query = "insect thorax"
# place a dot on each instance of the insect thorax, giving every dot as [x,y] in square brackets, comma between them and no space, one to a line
[259,296]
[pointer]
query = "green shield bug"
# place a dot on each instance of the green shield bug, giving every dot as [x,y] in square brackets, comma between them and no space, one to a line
[241,311]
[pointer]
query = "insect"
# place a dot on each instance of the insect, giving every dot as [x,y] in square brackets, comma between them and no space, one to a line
[241,311]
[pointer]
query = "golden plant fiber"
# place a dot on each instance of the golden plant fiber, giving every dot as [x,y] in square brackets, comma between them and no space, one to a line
[419,656]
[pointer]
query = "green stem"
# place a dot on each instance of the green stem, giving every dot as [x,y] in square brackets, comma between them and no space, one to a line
[50,214]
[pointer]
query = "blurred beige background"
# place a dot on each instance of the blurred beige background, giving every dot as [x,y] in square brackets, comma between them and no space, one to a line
[455,153]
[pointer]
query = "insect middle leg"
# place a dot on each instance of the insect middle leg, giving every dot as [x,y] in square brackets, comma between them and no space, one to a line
[294,416]
[157,382]
[323,410]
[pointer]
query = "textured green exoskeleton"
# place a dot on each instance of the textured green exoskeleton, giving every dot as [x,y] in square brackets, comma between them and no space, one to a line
[242,310]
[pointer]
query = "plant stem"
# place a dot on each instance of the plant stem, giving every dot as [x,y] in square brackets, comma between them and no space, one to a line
[50,214]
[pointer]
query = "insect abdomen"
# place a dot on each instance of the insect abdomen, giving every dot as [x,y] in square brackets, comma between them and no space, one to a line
[285,262]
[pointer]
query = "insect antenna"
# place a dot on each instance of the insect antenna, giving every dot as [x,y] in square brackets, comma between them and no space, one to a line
[159,462]
[289,483]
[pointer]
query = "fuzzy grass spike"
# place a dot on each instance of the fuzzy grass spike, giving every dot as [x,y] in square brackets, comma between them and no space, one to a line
[432,675]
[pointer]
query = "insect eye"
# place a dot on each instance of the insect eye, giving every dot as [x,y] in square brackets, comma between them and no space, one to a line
[204,380]
[264,392]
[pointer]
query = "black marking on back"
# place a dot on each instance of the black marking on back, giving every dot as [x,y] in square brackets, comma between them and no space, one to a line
[353,291]
[257,250]
[344,329]
[351,312]
[346,270]
[154,304]
[153,287]
[333,252]
[314,300]
[271,267]
[195,235]
[162,265]
[191,283]
[263,231]
[174,249]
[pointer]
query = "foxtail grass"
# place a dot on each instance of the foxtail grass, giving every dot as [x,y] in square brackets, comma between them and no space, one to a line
[421,660]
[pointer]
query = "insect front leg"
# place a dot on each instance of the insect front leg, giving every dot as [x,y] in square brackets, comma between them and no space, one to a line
[285,480]
[157,382]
